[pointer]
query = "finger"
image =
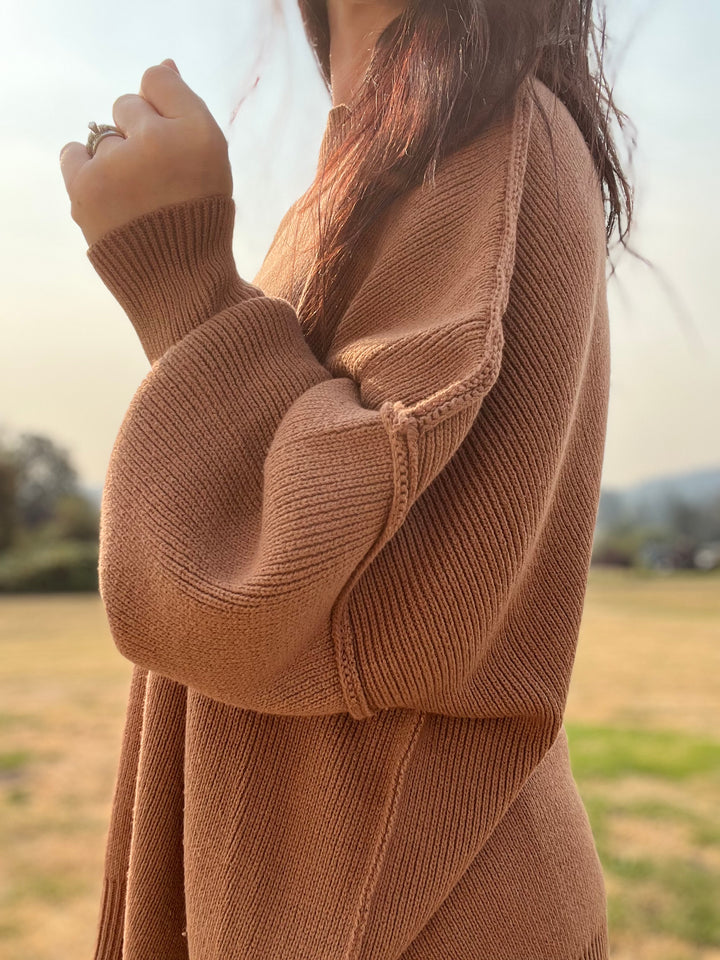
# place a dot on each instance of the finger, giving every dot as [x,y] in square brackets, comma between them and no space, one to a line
[72,157]
[131,112]
[169,94]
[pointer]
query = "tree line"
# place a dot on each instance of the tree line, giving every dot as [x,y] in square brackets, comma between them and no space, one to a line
[49,526]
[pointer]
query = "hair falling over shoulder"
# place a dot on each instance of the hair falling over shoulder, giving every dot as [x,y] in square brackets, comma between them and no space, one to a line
[439,73]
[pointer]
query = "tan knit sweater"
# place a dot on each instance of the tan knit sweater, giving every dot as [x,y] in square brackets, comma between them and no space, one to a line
[352,591]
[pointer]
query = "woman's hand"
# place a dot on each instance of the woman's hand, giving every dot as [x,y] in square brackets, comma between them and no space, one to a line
[174,151]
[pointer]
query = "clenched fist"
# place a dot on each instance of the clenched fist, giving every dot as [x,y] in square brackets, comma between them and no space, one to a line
[174,151]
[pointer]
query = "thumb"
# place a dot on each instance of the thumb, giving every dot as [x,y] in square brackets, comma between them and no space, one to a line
[171,63]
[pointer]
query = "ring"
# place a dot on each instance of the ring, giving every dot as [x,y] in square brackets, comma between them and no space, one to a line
[98,133]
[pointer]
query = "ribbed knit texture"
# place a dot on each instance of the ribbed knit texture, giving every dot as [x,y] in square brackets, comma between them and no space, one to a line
[352,590]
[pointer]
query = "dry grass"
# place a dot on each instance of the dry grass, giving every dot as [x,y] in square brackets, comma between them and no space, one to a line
[647,661]
[63,688]
[649,652]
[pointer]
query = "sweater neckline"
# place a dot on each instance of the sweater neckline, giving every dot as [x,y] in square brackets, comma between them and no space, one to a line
[336,124]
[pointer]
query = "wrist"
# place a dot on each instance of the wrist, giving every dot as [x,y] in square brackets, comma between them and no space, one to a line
[172,269]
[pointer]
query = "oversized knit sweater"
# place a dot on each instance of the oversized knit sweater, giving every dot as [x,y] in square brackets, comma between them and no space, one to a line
[352,590]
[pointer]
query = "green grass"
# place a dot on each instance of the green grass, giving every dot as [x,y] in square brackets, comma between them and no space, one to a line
[673,892]
[13,762]
[613,752]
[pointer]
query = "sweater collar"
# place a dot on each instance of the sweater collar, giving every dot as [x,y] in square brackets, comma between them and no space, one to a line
[336,125]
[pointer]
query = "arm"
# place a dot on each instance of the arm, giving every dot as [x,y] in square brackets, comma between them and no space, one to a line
[249,487]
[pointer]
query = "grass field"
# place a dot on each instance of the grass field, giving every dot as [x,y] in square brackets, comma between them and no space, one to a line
[643,719]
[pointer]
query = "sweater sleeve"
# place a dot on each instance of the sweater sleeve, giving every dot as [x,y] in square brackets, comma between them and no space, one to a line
[249,485]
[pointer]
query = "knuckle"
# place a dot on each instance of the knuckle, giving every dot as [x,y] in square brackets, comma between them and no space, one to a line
[122,98]
[150,73]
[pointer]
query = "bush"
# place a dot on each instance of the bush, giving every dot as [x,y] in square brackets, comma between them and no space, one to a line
[75,518]
[63,566]
[622,546]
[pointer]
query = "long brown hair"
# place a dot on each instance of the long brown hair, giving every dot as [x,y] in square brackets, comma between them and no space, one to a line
[439,73]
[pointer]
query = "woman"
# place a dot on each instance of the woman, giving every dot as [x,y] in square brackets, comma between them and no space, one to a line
[348,516]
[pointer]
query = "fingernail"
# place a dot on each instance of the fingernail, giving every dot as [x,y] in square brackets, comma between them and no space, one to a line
[171,63]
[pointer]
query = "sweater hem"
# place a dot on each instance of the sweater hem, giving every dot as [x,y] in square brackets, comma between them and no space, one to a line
[109,941]
[598,948]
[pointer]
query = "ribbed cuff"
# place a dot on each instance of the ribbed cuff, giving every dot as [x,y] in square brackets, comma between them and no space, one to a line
[172,269]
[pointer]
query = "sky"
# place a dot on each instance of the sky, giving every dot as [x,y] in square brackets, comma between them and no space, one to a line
[70,360]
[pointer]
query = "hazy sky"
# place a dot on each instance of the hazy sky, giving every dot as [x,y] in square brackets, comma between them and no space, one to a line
[71,361]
